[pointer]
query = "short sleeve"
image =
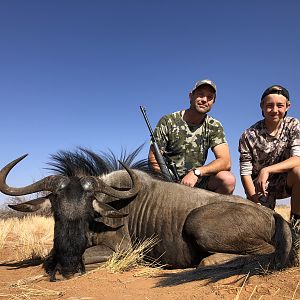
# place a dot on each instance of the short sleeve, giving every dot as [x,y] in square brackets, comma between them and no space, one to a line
[216,133]
[161,133]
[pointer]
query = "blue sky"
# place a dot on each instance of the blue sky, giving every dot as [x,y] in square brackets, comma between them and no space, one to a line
[73,73]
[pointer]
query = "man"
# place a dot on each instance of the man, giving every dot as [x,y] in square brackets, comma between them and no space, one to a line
[187,135]
[270,153]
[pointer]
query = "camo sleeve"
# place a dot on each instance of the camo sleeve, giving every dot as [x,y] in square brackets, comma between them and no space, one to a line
[216,133]
[295,141]
[161,133]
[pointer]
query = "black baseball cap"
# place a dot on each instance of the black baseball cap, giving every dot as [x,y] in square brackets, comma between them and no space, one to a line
[276,89]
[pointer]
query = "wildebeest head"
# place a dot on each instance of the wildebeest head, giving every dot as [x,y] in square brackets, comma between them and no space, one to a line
[74,203]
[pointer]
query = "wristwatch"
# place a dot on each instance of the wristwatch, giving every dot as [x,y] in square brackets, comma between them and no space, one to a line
[197,172]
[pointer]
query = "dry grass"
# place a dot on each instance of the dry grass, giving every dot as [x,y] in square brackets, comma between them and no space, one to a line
[5,228]
[30,237]
[124,260]
[240,290]
[283,210]
[23,291]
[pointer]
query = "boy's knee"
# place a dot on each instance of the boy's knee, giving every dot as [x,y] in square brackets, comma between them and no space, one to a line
[296,172]
[294,177]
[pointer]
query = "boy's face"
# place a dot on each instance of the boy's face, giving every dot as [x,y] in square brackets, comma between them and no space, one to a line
[274,107]
[202,99]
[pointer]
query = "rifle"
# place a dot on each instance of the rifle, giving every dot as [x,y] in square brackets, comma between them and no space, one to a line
[164,162]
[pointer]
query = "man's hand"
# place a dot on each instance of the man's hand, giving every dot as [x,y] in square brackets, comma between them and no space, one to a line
[190,179]
[262,183]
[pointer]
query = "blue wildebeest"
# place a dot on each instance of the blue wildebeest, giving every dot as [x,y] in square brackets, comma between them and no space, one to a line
[96,209]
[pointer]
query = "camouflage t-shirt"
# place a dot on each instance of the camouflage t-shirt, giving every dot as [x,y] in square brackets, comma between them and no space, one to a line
[187,145]
[258,149]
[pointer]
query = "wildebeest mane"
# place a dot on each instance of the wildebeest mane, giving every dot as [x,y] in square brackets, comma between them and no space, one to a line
[85,162]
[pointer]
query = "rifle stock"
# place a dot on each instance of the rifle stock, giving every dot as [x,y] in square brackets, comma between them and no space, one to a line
[161,162]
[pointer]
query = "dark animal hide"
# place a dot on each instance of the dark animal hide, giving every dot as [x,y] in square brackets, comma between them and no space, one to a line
[98,206]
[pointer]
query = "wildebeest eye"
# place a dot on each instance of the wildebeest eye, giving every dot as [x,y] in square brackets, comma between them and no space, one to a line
[63,183]
[87,184]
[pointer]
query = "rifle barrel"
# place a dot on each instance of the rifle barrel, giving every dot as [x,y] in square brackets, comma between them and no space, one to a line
[143,110]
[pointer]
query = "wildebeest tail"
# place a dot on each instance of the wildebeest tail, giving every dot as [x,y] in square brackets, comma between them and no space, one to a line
[285,242]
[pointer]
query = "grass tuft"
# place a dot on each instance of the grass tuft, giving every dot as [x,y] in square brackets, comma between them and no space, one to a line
[23,291]
[124,260]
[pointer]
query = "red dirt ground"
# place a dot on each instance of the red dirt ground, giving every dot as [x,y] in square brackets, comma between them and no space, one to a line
[28,282]
[166,284]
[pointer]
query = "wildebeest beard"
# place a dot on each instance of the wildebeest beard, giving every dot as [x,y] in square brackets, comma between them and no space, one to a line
[70,242]
[72,218]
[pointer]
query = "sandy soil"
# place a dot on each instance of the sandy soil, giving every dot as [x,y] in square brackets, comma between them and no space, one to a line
[23,281]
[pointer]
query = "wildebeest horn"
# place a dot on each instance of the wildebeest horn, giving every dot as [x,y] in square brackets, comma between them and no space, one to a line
[100,186]
[46,184]
[107,211]
[41,203]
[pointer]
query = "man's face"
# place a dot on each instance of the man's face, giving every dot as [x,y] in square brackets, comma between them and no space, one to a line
[202,99]
[274,107]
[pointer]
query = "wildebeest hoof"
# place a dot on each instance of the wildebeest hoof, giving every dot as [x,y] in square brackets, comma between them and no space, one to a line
[52,278]
[217,259]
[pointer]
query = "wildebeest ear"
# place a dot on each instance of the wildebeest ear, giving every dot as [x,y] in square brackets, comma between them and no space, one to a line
[41,203]
[106,210]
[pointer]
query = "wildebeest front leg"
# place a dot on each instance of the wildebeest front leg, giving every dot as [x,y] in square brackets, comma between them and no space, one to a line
[104,244]
[97,254]
[51,266]
[81,269]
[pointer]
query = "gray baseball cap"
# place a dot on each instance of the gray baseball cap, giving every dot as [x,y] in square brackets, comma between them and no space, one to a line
[205,82]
